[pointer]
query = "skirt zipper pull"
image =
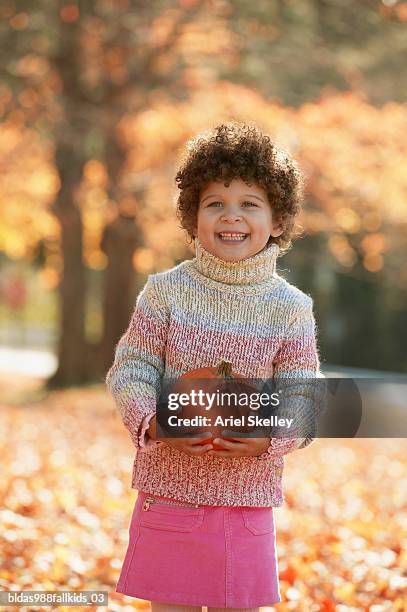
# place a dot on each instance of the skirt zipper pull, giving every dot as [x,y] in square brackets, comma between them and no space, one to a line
[147,502]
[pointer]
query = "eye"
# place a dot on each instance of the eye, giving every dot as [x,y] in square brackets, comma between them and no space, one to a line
[248,203]
[215,204]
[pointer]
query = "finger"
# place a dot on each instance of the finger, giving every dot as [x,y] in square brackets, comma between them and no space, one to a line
[228,433]
[235,436]
[200,450]
[253,441]
[197,442]
[200,438]
[205,434]
[226,443]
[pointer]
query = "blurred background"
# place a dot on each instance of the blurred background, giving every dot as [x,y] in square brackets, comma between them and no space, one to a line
[97,100]
[96,103]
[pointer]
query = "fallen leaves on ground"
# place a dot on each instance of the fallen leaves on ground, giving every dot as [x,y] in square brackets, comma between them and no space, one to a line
[66,503]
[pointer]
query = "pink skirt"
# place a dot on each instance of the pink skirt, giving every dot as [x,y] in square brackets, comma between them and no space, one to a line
[219,556]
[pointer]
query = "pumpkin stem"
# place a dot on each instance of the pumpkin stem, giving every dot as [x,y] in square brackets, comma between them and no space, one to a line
[224,369]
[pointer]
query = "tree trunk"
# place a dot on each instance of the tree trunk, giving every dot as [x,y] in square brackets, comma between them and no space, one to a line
[70,135]
[72,343]
[120,238]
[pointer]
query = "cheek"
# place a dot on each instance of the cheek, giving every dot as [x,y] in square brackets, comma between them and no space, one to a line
[204,221]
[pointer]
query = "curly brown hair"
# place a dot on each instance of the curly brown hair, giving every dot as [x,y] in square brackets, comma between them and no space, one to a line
[238,150]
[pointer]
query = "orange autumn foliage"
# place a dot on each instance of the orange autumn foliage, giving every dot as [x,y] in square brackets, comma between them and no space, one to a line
[66,503]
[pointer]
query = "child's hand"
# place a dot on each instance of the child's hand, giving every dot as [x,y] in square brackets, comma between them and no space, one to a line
[191,446]
[239,447]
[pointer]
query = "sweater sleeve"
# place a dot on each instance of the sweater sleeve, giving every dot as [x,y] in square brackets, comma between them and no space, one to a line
[297,375]
[134,379]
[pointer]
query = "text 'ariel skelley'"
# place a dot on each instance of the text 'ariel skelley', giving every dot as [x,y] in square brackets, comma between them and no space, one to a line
[251,420]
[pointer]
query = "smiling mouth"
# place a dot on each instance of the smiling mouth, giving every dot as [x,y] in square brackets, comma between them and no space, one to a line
[234,237]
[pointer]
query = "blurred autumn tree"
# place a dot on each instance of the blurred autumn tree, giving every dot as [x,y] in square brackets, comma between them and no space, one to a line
[100,95]
[290,49]
[75,70]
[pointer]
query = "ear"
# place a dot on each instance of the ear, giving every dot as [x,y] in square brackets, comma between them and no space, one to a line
[277,229]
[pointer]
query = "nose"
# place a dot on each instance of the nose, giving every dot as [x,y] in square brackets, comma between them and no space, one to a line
[231,217]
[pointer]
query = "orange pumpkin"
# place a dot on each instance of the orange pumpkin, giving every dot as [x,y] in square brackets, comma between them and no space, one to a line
[219,378]
[222,370]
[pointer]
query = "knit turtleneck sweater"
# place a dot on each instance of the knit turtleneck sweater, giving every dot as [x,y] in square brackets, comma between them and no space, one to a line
[255,270]
[192,316]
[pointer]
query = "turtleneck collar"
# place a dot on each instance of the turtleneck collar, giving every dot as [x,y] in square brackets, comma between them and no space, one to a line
[251,271]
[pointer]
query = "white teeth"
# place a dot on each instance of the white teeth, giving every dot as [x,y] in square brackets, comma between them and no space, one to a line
[235,237]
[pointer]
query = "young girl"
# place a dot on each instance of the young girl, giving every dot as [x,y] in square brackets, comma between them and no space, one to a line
[202,531]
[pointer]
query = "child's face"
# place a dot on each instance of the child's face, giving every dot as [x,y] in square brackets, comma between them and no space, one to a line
[237,209]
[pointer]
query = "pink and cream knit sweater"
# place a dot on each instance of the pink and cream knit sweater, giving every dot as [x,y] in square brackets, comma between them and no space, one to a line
[192,316]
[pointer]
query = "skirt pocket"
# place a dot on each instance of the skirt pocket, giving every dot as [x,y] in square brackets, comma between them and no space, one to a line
[258,521]
[163,517]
